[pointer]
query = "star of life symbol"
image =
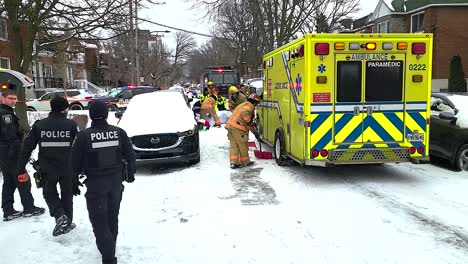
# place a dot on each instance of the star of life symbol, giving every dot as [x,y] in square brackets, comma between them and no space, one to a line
[322,68]
[298,84]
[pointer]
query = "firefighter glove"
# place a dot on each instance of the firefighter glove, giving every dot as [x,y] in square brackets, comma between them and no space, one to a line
[76,186]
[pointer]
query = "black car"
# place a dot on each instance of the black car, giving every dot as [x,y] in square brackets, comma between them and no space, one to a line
[449,128]
[118,98]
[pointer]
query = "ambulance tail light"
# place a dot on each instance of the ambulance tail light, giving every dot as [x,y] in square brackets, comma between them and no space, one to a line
[322,49]
[339,46]
[412,150]
[315,153]
[371,46]
[402,45]
[324,153]
[428,121]
[420,150]
[418,48]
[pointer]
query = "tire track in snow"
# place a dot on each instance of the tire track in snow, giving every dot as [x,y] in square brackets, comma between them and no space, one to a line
[443,233]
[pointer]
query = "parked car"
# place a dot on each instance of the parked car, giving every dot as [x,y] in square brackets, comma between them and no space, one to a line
[449,128]
[78,98]
[162,128]
[118,98]
[188,98]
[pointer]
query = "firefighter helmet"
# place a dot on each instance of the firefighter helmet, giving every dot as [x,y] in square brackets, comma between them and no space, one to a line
[209,83]
[233,89]
[254,98]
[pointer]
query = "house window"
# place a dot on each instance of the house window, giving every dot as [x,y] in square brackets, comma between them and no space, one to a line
[3,29]
[382,27]
[47,70]
[417,23]
[5,63]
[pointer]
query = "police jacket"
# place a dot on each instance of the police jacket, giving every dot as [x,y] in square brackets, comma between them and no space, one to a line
[99,151]
[54,135]
[9,126]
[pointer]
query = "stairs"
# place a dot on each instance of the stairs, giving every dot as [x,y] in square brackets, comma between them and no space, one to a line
[91,87]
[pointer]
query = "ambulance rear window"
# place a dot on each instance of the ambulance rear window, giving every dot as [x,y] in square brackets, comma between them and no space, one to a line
[384,81]
[349,81]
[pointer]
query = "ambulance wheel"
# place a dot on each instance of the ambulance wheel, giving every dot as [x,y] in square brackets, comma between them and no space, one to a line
[280,150]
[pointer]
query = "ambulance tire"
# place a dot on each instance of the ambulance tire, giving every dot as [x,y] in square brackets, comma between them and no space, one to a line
[279,149]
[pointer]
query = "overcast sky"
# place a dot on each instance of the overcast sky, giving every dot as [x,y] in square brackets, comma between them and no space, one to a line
[180,14]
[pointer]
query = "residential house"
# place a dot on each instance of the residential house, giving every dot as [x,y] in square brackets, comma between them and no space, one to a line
[446,19]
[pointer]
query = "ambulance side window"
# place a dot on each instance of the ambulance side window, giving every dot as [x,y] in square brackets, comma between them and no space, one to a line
[348,82]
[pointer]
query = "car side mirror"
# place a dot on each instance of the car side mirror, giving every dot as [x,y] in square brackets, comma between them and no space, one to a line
[447,116]
[118,115]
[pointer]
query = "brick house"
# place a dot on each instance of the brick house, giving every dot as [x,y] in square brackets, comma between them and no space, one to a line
[446,19]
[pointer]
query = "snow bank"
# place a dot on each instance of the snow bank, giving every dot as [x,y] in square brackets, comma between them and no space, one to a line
[461,103]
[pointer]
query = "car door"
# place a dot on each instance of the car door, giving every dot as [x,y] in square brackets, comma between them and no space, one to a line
[441,136]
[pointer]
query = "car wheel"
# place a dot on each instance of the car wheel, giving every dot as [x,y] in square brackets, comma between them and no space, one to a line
[280,150]
[31,109]
[111,107]
[76,107]
[461,159]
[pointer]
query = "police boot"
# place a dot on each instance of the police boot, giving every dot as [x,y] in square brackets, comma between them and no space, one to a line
[35,211]
[62,223]
[11,214]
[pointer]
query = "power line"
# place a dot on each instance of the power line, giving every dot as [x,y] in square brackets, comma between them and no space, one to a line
[179,29]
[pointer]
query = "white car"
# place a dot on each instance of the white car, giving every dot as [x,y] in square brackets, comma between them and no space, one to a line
[162,128]
[78,99]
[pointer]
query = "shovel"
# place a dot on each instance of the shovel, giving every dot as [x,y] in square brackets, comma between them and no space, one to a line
[259,154]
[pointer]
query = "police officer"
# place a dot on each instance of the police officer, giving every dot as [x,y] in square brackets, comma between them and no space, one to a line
[54,135]
[98,153]
[10,148]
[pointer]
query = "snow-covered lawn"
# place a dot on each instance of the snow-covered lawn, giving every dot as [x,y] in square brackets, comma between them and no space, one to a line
[208,213]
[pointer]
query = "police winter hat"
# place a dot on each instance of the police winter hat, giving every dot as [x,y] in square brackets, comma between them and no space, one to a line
[98,110]
[58,104]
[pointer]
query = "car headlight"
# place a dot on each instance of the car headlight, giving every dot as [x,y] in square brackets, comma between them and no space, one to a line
[187,133]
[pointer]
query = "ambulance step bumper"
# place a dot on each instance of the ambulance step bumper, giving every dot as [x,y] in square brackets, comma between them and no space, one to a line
[371,155]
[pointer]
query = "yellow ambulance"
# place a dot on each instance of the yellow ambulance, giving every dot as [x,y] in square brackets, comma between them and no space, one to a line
[348,99]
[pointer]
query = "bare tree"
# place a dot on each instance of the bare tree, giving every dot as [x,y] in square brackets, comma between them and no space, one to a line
[328,16]
[57,21]
[185,44]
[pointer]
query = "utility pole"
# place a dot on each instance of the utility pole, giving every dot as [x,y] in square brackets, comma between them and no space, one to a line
[137,52]
[132,65]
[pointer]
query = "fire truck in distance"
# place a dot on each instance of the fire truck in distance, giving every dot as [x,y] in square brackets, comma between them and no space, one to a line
[222,76]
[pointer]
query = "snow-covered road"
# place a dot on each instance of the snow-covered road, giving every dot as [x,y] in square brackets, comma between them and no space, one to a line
[208,213]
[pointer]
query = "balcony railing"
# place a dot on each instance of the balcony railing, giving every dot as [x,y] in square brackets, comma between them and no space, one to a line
[48,82]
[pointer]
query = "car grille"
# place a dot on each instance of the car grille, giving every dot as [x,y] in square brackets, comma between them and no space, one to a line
[155,141]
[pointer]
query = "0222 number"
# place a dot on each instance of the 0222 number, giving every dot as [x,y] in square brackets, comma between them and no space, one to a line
[417,67]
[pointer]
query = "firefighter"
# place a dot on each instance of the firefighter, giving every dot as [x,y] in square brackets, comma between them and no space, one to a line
[209,107]
[243,89]
[54,135]
[238,126]
[10,148]
[236,98]
[105,155]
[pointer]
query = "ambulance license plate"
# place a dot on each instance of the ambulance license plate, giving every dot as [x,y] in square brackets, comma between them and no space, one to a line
[415,137]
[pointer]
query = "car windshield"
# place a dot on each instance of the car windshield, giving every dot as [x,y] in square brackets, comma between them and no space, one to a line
[114,92]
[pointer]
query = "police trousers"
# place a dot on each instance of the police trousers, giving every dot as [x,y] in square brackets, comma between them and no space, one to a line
[212,113]
[238,146]
[9,154]
[58,205]
[103,197]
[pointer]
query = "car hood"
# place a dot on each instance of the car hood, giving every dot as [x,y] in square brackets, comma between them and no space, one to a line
[160,123]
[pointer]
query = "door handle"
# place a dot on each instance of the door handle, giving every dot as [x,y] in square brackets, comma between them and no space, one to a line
[356,110]
[369,111]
